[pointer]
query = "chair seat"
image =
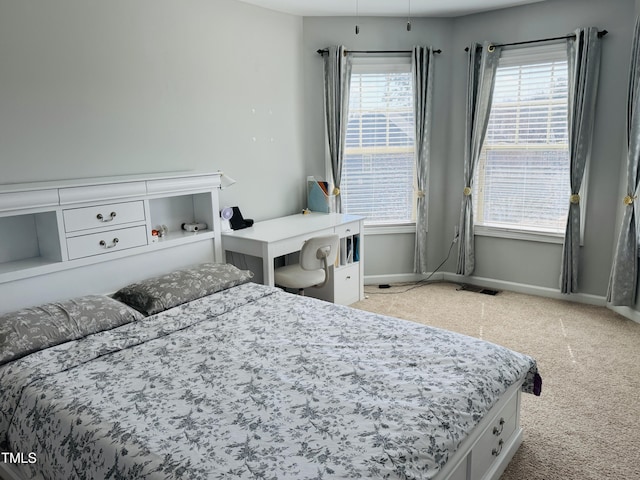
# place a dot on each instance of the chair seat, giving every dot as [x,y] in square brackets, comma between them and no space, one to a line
[294,276]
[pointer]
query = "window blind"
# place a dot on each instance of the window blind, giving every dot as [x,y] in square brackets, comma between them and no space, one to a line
[378,173]
[522,180]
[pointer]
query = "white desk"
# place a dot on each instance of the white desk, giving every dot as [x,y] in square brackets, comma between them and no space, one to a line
[270,239]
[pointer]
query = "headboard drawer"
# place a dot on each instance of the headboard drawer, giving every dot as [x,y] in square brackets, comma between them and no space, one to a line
[97,216]
[106,242]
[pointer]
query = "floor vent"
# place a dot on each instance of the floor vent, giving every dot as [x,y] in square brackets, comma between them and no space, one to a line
[476,289]
[489,291]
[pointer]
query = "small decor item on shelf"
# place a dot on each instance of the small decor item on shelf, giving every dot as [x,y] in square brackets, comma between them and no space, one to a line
[194,227]
[162,230]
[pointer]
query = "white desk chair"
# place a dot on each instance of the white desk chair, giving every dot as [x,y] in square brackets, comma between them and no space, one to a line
[316,255]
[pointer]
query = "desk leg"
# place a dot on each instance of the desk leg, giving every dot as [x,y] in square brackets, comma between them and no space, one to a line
[267,270]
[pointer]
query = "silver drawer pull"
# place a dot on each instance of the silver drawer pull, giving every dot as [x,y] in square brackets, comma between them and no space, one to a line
[114,242]
[348,277]
[105,220]
[497,431]
[497,451]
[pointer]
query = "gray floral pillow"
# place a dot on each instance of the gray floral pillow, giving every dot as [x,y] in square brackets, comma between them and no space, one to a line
[32,329]
[167,291]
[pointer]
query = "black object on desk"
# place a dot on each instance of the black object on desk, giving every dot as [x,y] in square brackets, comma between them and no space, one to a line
[237,222]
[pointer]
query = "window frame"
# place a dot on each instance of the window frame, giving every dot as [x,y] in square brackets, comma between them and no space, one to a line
[383,64]
[530,55]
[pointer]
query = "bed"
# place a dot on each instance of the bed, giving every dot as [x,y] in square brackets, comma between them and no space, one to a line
[241,380]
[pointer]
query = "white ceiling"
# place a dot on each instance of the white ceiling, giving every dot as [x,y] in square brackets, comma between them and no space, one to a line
[385,8]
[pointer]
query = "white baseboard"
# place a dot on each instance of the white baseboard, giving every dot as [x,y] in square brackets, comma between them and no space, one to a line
[398,278]
[627,312]
[528,289]
[488,283]
[585,298]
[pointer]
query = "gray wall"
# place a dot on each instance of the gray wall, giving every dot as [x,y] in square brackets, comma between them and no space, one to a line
[98,88]
[531,263]
[90,87]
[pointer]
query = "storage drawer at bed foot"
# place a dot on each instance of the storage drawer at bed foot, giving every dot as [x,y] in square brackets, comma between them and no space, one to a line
[491,444]
[106,242]
[97,216]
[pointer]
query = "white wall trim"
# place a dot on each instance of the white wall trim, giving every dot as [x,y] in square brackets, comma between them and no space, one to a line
[389,229]
[584,298]
[398,278]
[501,232]
[488,283]
[626,312]
[527,289]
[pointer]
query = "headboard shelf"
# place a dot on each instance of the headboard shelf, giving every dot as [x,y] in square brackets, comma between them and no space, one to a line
[26,267]
[57,226]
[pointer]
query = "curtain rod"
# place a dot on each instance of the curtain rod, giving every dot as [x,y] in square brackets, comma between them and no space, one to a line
[322,51]
[601,34]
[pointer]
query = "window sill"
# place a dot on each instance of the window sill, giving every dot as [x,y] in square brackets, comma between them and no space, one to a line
[531,236]
[389,229]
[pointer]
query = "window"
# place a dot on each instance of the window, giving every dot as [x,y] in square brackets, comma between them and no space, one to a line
[378,172]
[522,179]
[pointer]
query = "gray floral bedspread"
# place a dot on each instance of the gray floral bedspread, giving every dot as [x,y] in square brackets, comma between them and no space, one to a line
[254,383]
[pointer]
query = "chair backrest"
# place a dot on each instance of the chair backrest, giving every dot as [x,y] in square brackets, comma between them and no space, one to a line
[315,249]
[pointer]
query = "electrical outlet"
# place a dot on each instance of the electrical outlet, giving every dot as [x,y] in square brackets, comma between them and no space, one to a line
[456,234]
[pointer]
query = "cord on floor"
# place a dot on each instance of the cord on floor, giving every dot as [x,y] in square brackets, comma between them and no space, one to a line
[418,283]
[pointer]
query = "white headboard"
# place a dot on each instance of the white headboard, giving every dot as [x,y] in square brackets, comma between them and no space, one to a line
[74,237]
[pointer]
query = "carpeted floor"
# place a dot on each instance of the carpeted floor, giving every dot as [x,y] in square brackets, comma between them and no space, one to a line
[586,424]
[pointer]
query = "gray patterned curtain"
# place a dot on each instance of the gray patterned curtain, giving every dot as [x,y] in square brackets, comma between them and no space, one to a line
[337,80]
[584,67]
[422,68]
[624,273]
[483,64]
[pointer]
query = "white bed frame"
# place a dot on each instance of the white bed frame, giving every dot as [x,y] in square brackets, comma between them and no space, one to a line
[75,237]
[483,455]
[486,452]
[57,240]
